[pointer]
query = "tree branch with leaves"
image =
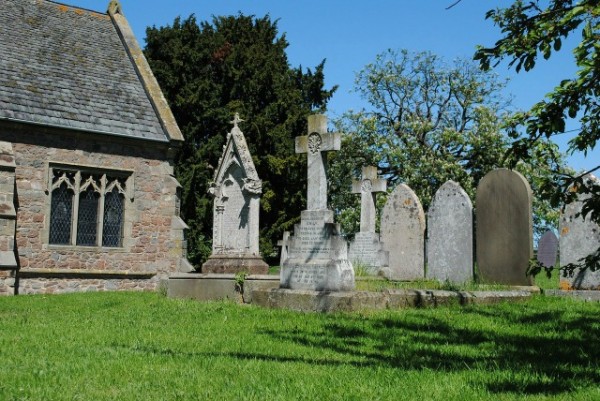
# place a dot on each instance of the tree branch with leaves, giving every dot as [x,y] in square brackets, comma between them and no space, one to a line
[535,29]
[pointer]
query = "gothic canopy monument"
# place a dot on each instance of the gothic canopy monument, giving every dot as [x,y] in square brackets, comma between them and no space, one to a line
[236,189]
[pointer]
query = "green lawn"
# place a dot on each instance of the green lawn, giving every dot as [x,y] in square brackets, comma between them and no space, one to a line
[143,346]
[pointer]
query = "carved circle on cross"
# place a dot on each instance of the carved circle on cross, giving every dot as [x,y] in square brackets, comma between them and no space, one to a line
[366,186]
[314,143]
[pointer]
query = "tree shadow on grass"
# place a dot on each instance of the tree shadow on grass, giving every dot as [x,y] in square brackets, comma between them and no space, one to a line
[520,349]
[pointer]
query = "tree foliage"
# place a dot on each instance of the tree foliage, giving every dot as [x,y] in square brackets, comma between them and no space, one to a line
[429,122]
[537,28]
[209,71]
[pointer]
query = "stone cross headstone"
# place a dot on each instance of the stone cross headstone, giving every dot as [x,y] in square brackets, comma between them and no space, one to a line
[547,249]
[450,235]
[317,256]
[579,237]
[315,145]
[367,187]
[402,234]
[236,189]
[504,228]
[366,248]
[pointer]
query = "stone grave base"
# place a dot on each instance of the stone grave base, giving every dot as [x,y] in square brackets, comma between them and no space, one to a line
[318,275]
[352,301]
[264,291]
[220,264]
[587,295]
[210,287]
[586,280]
[367,251]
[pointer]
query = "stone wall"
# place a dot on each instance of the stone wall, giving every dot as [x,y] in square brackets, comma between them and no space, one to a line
[153,240]
[63,286]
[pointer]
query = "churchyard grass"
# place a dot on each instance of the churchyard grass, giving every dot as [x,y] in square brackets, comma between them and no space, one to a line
[143,346]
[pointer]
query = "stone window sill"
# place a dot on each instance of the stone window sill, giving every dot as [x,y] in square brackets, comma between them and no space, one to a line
[79,248]
[82,273]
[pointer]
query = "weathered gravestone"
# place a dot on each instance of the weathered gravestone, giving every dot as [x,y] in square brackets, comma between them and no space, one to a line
[504,228]
[547,249]
[366,248]
[402,234]
[317,254]
[579,237]
[450,235]
[236,189]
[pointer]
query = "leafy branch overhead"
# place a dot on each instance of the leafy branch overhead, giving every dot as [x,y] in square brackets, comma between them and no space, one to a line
[535,29]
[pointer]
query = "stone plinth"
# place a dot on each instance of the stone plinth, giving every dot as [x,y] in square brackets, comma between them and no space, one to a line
[367,250]
[317,255]
[234,264]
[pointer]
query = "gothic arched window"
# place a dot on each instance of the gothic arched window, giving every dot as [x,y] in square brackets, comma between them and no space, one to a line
[87,219]
[87,208]
[61,215]
[112,233]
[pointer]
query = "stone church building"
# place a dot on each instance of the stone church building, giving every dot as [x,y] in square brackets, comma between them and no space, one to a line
[88,201]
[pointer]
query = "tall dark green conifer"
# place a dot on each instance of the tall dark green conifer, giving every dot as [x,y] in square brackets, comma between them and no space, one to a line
[209,71]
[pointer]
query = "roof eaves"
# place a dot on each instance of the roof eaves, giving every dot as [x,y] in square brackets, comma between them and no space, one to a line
[91,131]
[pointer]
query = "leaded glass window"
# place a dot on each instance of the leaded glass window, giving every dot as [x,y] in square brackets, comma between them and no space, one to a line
[112,233]
[87,208]
[87,221]
[61,215]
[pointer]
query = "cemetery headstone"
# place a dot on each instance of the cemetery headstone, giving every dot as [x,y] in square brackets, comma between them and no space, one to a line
[504,239]
[547,249]
[317,256]
[450,235]
[402,234]
[236,189]
[366,248]
[579,237]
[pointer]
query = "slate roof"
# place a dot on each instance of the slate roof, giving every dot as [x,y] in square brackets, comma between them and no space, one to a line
[66,66]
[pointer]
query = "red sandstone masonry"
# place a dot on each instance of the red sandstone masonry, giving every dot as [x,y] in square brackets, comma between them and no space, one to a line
[150,244]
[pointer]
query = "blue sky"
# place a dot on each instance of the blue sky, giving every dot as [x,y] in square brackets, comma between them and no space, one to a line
[349,34]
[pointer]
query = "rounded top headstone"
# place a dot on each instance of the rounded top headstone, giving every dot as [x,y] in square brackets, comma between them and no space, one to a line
[504,228]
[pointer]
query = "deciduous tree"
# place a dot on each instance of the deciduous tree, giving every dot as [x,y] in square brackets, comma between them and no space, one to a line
[430,121]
